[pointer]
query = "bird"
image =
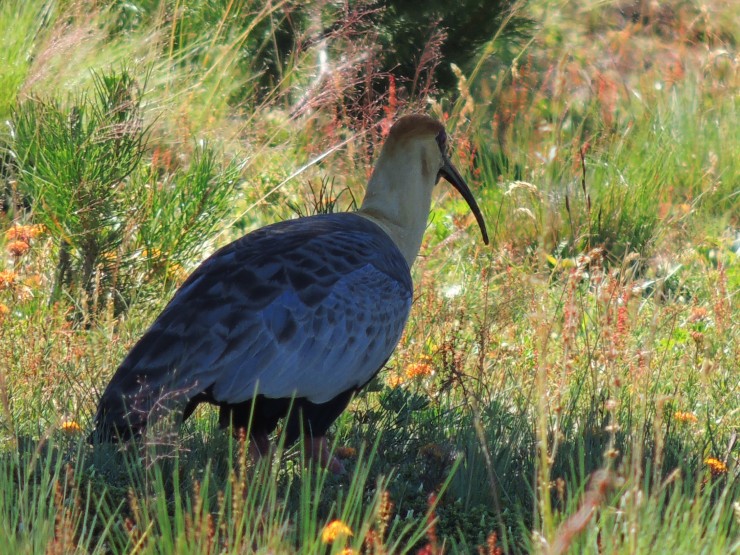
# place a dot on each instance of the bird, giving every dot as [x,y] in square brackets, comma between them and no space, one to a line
[292,319]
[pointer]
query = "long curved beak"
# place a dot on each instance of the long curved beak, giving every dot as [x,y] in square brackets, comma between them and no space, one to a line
[450,173]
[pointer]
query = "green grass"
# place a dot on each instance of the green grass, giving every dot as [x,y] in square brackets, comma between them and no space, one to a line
[572,389]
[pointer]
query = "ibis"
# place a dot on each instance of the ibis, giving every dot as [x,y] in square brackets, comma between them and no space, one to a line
[294,318]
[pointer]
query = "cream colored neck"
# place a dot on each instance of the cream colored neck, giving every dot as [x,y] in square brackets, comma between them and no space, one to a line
[398,199]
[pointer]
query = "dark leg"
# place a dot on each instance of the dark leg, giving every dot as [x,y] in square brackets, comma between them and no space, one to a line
[262,413]
[315,420]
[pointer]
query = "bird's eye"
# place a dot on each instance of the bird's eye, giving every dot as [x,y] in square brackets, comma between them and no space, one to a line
[442,140]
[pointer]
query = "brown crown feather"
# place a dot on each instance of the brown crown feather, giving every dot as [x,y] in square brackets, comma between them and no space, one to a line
[413,125]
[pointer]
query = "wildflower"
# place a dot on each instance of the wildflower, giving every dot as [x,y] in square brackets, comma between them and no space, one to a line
[176,273]
[348,551]
[18,247]
[4,311]
[394,381]
[683,416]
[15,232]
[716,466]
[346,452]
[7,278]
[71,427]
[334,530]
[417,369]
[24,232]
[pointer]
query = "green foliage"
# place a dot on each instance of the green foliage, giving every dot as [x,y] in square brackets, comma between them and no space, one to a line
[421,40]
[415,42]
[74,162]
[80,169]
[22,23]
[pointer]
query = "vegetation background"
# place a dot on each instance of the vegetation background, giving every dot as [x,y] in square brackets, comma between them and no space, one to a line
[574,388]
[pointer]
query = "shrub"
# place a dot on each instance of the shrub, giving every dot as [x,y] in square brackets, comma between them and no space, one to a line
[80,170]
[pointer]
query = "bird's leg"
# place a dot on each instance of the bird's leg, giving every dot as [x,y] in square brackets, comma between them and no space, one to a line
[317,449]
[259,446]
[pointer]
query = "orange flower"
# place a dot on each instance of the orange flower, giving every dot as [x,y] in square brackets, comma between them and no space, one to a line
[417,369]
[394,381]
[18,247]
[335,529]
[4,311]
[716,466]
[7,278]
[348,551]
[71,427]
[24,232]
[683,416]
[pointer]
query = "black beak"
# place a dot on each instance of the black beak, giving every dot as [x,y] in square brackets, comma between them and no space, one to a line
[450,173]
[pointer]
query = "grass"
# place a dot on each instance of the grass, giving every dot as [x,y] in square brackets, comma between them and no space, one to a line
[573,388]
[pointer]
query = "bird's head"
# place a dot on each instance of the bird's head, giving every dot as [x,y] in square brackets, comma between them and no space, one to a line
[399,193]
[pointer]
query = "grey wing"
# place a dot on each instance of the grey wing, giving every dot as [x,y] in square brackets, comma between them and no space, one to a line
[291,348]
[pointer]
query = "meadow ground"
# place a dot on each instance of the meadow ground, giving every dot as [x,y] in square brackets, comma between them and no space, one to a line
[573,388]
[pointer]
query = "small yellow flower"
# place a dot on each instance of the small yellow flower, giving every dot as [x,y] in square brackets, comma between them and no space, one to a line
[716,466]
[348,551]
[18,247]
[71,427]
[417,369]
[335,529]
[153,253]
[176,273]
[394,381]
[684,416]
[4,311]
